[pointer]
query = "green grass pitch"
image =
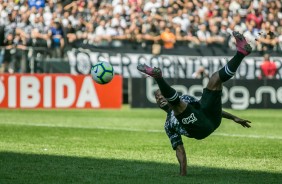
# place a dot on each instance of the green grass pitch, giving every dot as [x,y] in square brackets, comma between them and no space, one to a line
[130,146]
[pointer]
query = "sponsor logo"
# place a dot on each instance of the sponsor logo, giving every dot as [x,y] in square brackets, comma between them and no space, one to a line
[240,96]
[57,91]
[189,120]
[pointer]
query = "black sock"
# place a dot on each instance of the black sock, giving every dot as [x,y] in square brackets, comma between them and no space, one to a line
[228,71]
[167,91]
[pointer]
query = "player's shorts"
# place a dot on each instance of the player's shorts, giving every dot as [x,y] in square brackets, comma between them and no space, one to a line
[201,120]
[211,106]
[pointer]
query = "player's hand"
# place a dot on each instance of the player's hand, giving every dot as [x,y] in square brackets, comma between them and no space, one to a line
[243,122]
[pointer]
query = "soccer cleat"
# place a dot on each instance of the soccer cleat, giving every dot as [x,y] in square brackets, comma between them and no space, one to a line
[241,44]
[153,72]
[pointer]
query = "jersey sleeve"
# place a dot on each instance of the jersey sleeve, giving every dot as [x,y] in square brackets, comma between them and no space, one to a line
[174,137]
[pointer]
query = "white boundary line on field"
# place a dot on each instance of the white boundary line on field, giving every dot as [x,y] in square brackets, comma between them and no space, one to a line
[150,131]
[248,136]
[213,134]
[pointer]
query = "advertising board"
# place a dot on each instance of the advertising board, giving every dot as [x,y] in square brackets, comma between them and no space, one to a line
[236,94]
[58,91]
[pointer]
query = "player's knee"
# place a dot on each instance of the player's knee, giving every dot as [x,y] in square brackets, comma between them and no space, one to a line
[215,77]
[215,82]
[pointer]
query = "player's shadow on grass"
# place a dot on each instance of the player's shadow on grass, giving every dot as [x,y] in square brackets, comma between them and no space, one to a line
[19,168]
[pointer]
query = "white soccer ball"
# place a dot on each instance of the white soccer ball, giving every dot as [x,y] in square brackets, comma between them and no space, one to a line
[102,72]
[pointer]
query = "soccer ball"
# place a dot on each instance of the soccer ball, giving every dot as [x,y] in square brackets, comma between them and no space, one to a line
[102,72]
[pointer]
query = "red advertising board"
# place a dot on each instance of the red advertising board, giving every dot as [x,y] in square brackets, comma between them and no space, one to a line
[58,91]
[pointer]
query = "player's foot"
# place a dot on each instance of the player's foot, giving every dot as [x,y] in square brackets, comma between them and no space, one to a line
[153,72]
[241,44]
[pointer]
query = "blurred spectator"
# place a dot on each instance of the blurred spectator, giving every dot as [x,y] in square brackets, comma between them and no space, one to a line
[181,18]
[191,39]
[268,68]
[223,31]
[18,63]
[102,35]
[70,33]
[256,16]
[203,34]
[244,6]
[36,3]
[234,6]
[201,8]
[120,7]
[201,73]
[250,36]
[9,52]
[1,61]
[57,39]
[14,56]
[152,6]
[279,38]
[39,33]
[195,23]
[168,38]
[268,38]
[215,38]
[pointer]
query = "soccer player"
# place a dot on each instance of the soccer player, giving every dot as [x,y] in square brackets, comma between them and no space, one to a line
[190,117]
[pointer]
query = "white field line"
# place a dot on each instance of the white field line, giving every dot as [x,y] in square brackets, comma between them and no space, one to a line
[153,131]
[248,136]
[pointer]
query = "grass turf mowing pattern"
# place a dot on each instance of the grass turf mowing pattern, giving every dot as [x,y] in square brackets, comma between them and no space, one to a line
[130,146]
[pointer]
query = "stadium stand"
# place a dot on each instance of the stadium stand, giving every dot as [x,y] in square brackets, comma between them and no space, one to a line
[54,26]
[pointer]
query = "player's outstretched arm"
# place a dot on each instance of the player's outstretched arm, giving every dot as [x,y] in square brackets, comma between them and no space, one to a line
[243,122]
[181,157]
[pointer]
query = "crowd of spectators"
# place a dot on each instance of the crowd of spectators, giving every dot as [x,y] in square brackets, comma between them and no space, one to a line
[59,24]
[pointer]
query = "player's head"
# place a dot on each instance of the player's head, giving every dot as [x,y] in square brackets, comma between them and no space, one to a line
[161,100]
[266,57]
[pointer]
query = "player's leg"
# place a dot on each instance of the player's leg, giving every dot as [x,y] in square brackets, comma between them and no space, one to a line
[228,71]
[167,91]
[211,98]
